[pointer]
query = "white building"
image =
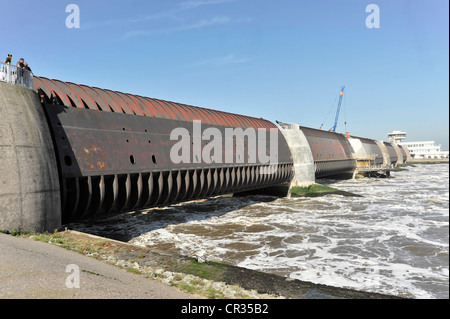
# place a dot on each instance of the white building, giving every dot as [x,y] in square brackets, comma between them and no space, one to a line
[425,149]
[418,150]
[396,136]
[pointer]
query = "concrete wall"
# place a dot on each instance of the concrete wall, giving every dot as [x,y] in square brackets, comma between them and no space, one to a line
[384,151]
[392,153]
[408,154]
[29,184]
[399,153]
[304,172]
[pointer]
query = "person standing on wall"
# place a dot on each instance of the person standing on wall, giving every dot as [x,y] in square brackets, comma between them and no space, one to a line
[27,67]
[28,76]
[20,67]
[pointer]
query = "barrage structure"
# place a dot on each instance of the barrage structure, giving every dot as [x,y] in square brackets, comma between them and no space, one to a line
[70,152]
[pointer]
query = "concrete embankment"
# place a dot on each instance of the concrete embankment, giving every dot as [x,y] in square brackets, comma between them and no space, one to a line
[208,279]
[37,270]
[29,184]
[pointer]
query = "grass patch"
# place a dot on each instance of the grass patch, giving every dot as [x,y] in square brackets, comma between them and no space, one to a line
[194,288]
[14,232]
[316,190]
[66,240]
[133,270]
[207,270]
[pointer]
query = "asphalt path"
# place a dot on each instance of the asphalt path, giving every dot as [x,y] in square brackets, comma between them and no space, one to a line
[36,270]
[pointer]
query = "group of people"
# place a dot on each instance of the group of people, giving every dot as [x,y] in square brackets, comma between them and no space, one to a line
[22,75]
[21,64]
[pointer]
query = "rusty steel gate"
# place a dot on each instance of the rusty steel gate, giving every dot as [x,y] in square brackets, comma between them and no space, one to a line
[332,152]
[113,151]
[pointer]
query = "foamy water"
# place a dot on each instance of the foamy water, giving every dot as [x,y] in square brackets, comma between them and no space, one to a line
[393,240]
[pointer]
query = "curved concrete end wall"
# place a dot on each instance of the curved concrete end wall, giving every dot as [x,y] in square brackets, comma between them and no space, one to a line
[390,157]
[404,153]
[399,154]
[29,184]
[408,154]
[392,153]
[304,174]
[385,153]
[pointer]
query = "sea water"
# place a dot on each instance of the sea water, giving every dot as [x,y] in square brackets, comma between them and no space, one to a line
[394,239]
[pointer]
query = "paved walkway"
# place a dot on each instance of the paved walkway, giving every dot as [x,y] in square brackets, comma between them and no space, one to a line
[32,269]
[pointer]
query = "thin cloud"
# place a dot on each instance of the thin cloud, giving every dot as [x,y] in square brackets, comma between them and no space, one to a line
[197,3]
[205,23]
[192,4]
[198,25]
[222,61]
[149,17]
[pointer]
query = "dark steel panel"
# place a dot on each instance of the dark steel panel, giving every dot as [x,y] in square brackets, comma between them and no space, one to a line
[332,152]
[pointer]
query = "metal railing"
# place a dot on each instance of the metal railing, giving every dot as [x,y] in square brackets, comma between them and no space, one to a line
[12,74]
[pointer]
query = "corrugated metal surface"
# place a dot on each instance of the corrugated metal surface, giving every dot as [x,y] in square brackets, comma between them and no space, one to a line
[332,152]
[82,96]
[113,151]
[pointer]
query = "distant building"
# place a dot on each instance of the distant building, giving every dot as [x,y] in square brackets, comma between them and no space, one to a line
[418,150]
[425,149]
[396,136]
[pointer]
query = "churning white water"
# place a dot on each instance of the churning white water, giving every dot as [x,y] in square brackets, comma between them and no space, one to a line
[393,240]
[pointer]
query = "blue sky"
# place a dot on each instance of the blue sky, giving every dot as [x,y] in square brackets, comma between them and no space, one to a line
[282,60]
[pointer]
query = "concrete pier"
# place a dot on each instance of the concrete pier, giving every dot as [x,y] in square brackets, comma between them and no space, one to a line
[385,153]
[399,154]
[29,183]
[304,172]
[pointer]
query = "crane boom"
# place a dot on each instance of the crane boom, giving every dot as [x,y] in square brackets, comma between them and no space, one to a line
[333,129]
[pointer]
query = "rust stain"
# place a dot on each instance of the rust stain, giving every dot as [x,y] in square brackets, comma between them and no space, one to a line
[101,164]
[93,157]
